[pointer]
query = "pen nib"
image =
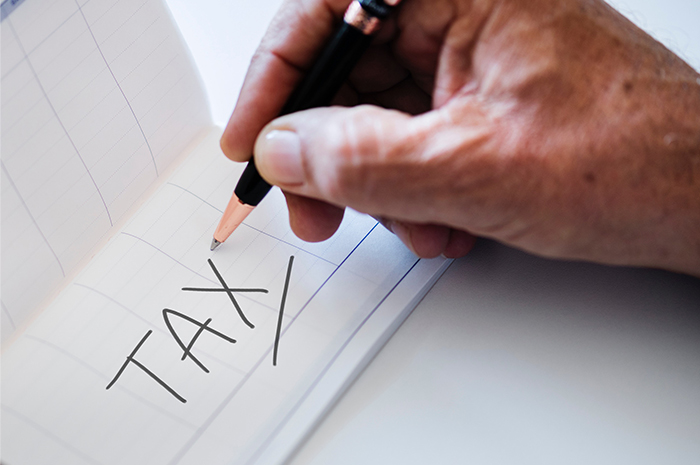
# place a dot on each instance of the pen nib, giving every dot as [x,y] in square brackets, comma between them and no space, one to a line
[214,244]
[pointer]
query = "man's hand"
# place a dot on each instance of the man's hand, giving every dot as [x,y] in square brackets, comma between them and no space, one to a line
[555,126]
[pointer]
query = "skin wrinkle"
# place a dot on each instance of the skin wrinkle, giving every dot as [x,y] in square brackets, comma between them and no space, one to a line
[276,54]
[351,157]
[323,172]
[456,60]
[355,158]
[557,127]
[377,157]
[416,38]
[445,32]
[368,161]
[439,154]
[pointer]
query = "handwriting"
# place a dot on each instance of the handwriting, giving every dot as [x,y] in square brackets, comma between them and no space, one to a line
[187,351]
[131,359]
[228,291]
[279,318]
[203,327]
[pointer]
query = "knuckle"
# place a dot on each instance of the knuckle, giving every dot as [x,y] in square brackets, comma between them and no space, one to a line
[354,145]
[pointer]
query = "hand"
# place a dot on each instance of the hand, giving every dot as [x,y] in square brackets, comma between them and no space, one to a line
[555,126]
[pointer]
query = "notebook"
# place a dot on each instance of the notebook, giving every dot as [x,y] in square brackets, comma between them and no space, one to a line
[125,339]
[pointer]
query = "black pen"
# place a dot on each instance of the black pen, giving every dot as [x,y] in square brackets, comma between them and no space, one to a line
[332,68]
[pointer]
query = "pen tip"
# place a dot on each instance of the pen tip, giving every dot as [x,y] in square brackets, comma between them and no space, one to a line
[214,244]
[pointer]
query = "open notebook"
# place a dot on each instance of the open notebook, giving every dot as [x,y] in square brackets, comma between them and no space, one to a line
[125,340]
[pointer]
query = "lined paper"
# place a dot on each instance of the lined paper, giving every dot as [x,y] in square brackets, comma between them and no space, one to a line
[98,97]
[156,350]
[54,396]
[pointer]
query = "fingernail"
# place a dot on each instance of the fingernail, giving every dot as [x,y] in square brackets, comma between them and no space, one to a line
[279,153]
[402,233]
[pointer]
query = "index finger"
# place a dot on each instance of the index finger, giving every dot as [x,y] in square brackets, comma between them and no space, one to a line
[292,41]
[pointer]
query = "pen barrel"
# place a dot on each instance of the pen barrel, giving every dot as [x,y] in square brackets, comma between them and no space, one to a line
[316,89]
[251,187]
[330,70]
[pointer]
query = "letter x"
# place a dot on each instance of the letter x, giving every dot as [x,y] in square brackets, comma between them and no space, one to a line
[228,291]
[187,350]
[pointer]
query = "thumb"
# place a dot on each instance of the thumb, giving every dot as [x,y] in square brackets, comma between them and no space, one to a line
[377,161]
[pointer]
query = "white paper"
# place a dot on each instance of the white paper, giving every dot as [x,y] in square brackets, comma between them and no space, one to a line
[98,98]
[55,375]
[156,350]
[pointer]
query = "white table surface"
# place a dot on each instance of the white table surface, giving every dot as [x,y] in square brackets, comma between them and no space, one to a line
[510,358]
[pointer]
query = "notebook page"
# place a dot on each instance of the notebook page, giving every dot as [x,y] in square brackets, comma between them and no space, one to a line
[98,98]
[154,318]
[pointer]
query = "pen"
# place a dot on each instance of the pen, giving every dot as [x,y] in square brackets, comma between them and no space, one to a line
[361,20]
